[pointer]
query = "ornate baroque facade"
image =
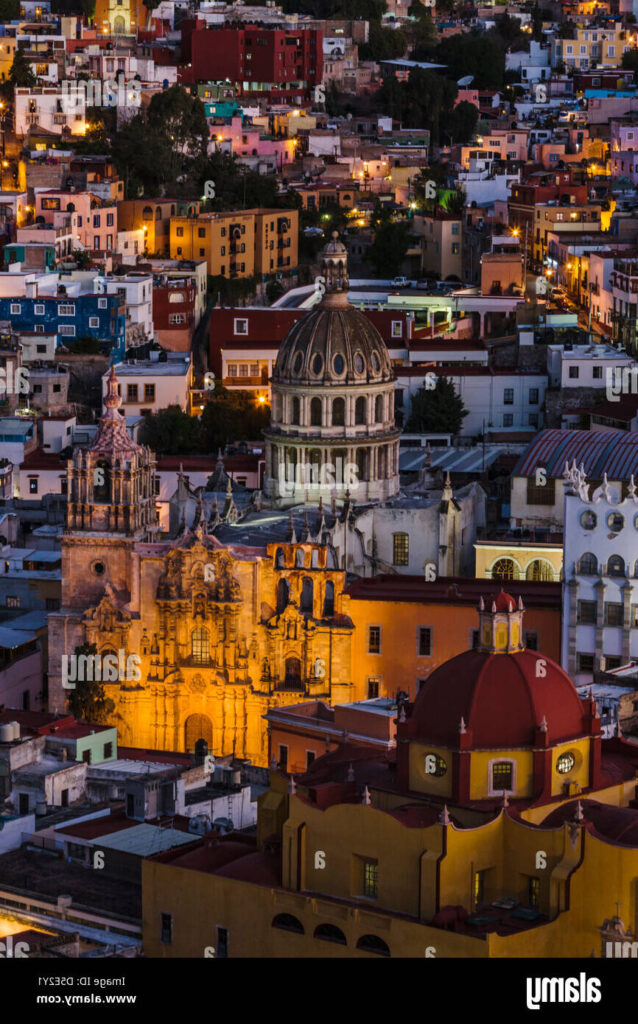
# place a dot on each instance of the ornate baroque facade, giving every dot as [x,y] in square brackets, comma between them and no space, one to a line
[223,633]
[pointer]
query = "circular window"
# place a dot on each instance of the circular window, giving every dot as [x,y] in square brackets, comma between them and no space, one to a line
[565,763]
[588,520]
[615,522]
[317,364]
[297,363]
[358,363]
[435,765]
[375,362]
[338,365]
[99,568]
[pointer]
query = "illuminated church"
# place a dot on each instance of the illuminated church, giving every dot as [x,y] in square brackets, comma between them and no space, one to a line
[224,632]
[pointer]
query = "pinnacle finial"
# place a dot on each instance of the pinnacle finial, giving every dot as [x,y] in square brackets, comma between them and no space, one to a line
[366,797]
[444,817]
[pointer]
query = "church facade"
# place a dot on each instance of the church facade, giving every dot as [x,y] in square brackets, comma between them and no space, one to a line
[222,634]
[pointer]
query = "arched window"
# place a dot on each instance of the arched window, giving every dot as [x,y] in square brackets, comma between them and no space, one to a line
[198,733]
[373,944]
[288,923]
[283,595]
[200,651]
[147,213]
[300,558]
[102,483]
[539,570]
[588,564]
[329,600]
[279,559]
[314,559]
[615,566]
[305,602]
[378,409]
[360,409]
[504,569]
[315,412]
[293,673]
[295,411]
[330,933]
[277,408]
[338,412]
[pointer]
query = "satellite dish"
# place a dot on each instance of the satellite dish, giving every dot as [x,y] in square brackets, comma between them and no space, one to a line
[466,80]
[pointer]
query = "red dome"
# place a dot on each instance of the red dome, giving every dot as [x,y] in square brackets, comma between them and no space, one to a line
[503,603]
[501,700]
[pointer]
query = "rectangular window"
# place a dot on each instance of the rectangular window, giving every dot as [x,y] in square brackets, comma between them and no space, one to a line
[16,308]
[587,613]
[13,601]
[108,751]
[508,396]
[102,303]
[478,888]
[534,892]
[109,220]
[533,419]
[179,232]
[531,640]
[38,309]
[611,661]
[241,326]
[66,310]
[502,776]
[574,372]
[131,392]
[221,949]
[374,639]
[166,928]
[243,370]
[310,757]
[585,662]
[201,232]
[400,549]
[96,220]
[283,757]
[33,486]
[537,495]
[425,642]
[66,331]
[597,372]
[96,242]
[371,879]
[374,684]
[455,248]
[397,328]
[508,420]
[94,321]
[613,614]
[52,604]
[533,396]
[149,392]
[232,370]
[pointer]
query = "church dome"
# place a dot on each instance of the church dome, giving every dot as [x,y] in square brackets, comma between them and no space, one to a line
[501,693]
[333,345]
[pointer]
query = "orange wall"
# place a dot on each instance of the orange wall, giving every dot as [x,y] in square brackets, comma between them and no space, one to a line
[399,666]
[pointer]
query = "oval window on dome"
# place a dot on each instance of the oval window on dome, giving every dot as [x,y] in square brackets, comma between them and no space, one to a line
[588,520]
[359,365]
[375,362]
[338,364]
[615,522]
[435,765]
[565,763]
[317,363]
[296,366]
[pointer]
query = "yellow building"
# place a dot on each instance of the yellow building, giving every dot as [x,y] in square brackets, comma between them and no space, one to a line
[592,46]
[518,560]
[153,218]
[239,243]
[488,836]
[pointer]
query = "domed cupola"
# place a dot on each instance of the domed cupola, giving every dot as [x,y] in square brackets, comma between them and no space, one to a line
[500,719]
[332,426]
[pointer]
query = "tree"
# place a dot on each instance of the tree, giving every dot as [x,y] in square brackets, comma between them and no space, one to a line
[88,701]
[232,416]
[471,53]
[171,431]
[630,60]
[9,10]
[461,122]
[21,73]
[383,43]
[437,410]
[387,252]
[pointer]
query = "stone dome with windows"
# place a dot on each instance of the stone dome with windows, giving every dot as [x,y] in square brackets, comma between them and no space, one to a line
[500,720]
[332,424]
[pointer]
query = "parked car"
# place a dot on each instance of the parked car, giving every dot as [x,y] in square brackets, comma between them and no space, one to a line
[401,282]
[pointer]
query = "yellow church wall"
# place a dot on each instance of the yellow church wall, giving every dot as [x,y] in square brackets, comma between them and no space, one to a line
[480,761]
[488,553]
[579,775]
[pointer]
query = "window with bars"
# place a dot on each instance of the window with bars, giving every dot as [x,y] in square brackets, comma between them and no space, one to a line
[424,641]
[199,646]
[502,776]
[613,614]
[537,495]
[400,548]
[371,879]
[534,892]
[587,613]
[374,639]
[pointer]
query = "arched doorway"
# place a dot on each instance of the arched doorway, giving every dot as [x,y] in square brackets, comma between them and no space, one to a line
[198,730]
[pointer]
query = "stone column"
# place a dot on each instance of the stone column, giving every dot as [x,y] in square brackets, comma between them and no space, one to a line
[600,622]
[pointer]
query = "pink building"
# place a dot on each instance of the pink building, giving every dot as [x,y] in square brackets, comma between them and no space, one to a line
[244,140]
[95,222]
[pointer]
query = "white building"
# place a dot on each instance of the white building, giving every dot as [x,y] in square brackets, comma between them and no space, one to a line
[600,594]
[137,289]
[44,107]
[496,400]
[149,385]
[585,366]
[533,66]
